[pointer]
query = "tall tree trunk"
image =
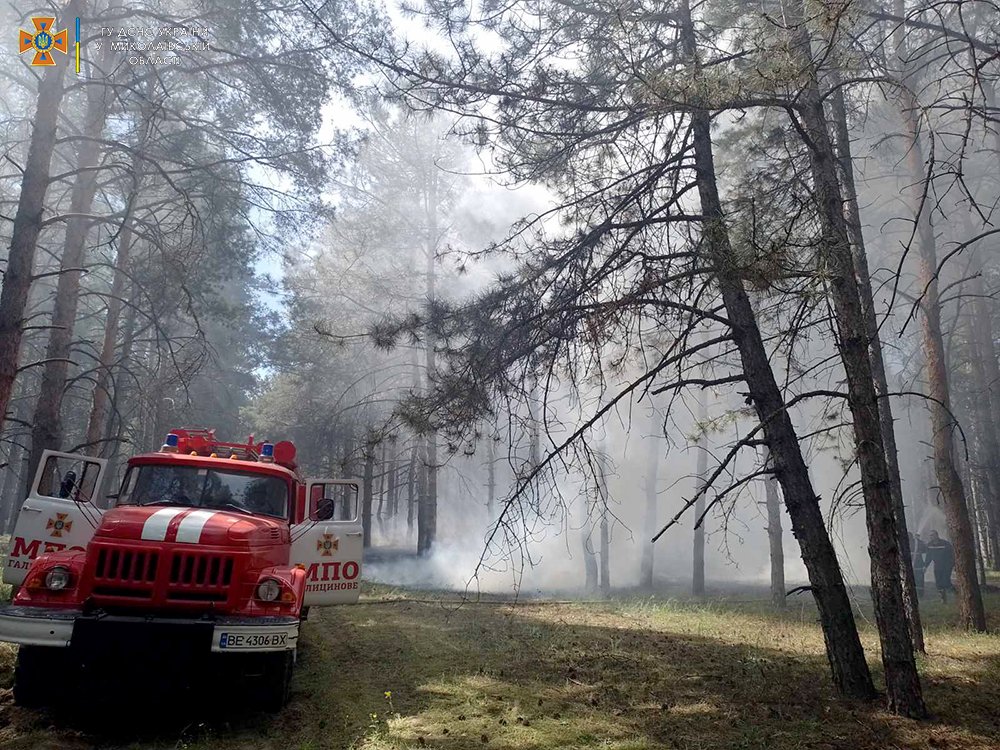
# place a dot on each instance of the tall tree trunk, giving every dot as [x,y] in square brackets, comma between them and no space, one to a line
[427,512]
[101,398]
[843,646]
[367,494]
[383,463]
[491,477]
[860,256]
[655,446]
[46,431]
[392,479]
[121,393]
[701,476]
[534,437]
[98,420]
[986,477]
[11,502]
[412,489]
[978,490]
[28,222]
[8,489]
[11,497]
[591,577]
[986,378]
[605,530]
[956,511]
[772,503]
[902,681]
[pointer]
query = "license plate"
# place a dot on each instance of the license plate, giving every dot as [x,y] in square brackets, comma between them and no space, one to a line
[252,640]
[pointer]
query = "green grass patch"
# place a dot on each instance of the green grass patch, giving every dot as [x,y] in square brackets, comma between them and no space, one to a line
[412,670]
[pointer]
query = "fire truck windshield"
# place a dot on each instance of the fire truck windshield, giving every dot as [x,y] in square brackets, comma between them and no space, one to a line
[195,487]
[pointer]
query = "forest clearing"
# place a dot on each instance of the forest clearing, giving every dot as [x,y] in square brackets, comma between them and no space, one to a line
[678,322]
[410,669]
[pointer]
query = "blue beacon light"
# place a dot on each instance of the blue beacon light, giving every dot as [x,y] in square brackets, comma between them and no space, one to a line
[170,444]
[267,452]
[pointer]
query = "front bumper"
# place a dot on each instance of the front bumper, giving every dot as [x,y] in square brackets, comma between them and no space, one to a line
[38,626]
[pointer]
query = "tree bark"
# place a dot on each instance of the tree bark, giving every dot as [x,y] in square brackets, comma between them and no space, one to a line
[102,381]
[427,511]
[902,681]
[101,399]
[860,256]
[392,479]
[986,378]
[8,493]
[120,393]
[701,475]
[605,531]
[412,488]
[652,471]
[367,494]
[11,497]
[591,577]
[956,510]
[46,431]
[382,480]
[28,222]
[772,503]
[851,676]
[981,403]
[534,437]
[491,477]
[978,486]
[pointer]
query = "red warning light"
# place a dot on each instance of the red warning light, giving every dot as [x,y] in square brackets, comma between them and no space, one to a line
[284,453]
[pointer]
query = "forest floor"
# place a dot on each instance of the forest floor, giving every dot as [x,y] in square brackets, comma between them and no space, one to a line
[407,669]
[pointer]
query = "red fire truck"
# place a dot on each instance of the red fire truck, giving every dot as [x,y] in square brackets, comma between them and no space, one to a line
[210,553]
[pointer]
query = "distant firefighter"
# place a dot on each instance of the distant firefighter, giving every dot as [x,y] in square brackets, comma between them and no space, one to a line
[941,555]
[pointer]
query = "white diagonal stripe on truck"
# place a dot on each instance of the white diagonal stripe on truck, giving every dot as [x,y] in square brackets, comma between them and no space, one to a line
[155,527]
[191,525]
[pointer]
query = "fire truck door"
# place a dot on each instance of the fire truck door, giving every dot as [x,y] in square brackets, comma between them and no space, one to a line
[59,512]
[329,542]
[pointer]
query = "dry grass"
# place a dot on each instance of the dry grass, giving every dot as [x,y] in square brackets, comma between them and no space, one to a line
[633,673]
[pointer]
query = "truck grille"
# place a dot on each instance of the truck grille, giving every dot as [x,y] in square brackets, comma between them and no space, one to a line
[126,565]
[142,575]
[196,576]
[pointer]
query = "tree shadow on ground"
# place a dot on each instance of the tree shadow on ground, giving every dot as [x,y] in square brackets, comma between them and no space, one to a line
[557,679]
[530,677]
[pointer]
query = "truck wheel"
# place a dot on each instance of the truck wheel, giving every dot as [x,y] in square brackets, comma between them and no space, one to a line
[39,675]
[276,681]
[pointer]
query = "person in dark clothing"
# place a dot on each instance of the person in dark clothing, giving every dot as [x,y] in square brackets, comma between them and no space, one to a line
[68,484]
[941,555]
[917,551]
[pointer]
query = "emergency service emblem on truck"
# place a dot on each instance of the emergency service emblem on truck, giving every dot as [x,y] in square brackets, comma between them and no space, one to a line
[218,546]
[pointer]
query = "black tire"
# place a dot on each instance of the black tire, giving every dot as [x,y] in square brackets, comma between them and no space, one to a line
[276,681]
[41,675]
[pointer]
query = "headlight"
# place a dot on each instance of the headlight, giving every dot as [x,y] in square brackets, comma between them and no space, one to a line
[268,590]
[57,579]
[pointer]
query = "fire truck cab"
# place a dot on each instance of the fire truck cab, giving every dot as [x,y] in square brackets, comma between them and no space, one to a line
[211,552]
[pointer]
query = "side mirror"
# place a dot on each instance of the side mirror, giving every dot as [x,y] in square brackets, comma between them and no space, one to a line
[324,510]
